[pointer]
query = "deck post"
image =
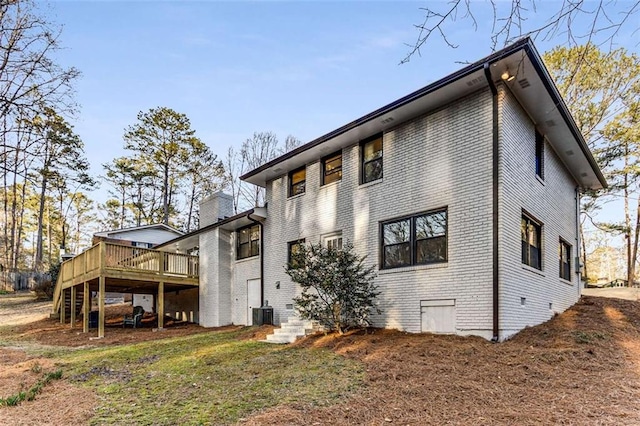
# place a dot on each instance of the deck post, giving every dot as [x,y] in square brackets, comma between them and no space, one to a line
[62,306]
[101,307]
[73,306]
[86,307]
[160,305]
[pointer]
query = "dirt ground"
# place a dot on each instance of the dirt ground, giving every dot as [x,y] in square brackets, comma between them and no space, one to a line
[581,367]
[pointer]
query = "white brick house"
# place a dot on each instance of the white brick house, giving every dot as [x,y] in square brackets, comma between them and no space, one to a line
[464,195]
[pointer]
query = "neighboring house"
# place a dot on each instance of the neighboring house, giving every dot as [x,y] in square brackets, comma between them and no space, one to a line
[464,195]
[145,236]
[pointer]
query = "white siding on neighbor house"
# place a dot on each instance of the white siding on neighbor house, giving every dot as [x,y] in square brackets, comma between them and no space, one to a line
[529,296]
[149,235]
[441,159]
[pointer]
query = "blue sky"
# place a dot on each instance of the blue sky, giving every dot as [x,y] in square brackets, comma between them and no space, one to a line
[234,68]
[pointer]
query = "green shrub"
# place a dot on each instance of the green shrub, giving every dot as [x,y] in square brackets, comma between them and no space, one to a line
[337,289]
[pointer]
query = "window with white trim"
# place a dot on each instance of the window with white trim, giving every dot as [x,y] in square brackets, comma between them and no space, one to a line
[333,241]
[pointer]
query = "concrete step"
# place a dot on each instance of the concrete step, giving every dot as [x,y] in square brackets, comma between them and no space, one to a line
[291,330]
[282,338]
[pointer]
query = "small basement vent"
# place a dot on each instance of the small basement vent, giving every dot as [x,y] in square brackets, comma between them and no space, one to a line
[524,83]
[550,123]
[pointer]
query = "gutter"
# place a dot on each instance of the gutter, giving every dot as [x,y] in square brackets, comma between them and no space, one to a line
[494,213]
[257,222]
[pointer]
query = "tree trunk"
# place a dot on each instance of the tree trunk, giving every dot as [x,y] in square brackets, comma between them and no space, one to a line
[634,255]
[39,236]
[165,195]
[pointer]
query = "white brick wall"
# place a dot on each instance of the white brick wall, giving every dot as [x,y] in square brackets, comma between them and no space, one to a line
[216,206]
[223,280]
[243,270]
[552,202]
[215,278]
[442,159]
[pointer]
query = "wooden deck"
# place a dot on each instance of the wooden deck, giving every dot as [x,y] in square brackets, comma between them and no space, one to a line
[108,267]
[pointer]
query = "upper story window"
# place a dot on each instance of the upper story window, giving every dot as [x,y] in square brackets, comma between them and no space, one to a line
[293,247]
[565,260]
[371,154]
[415,240]
[248,244]
[333,241]
[297,181]
[539,155]
[531,233]
[332,168]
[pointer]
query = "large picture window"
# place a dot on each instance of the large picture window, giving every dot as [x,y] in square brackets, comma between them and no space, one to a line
[248,242]
[565,260]
[297,181]
[371,159]
[332,168]
[415,240]
[531,233]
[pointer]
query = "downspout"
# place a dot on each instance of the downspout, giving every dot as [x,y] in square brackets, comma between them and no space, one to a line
[578,258]
[261,257]
[494,213]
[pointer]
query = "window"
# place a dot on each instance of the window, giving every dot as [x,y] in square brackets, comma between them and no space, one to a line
[143,245]
[565,260]
[333,241]
[531,232]
[539,155]
[372,159]
[332,168]
[248,242]
[293,247]
[416,240]
[297,181]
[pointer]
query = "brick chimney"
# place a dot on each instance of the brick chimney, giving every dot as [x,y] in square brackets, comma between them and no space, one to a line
[215,207]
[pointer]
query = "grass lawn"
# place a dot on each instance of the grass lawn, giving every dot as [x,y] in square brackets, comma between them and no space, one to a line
[208,378]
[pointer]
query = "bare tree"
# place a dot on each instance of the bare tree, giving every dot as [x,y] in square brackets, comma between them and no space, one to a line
[261,148]
[603,19]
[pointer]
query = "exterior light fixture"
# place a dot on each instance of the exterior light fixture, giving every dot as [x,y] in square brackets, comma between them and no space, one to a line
[506,76]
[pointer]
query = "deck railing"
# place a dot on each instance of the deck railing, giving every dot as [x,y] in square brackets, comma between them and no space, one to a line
[109,256]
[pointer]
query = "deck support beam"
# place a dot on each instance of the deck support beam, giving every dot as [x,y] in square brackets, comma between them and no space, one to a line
[86,307]
[160,305]
[73,306]
[101,297]
[63,306]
